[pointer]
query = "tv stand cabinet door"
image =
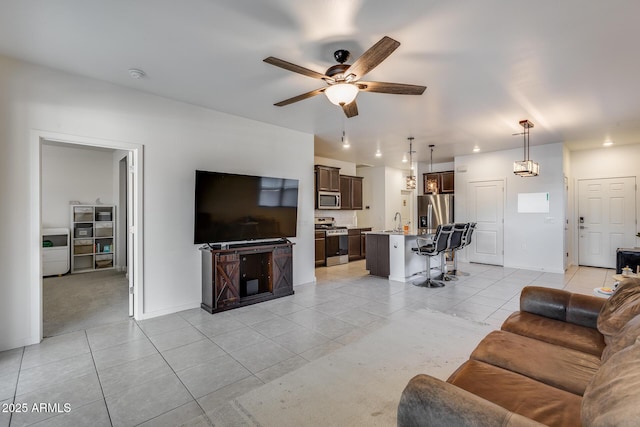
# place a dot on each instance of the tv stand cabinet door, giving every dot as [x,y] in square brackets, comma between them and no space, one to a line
[227,280]
[282,271]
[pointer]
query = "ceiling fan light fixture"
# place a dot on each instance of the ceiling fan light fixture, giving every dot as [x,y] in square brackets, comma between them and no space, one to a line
[341,93]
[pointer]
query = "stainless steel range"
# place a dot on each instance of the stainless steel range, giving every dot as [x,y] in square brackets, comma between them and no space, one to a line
[336,241]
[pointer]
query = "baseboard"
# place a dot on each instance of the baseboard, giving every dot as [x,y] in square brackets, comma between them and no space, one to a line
[171,310]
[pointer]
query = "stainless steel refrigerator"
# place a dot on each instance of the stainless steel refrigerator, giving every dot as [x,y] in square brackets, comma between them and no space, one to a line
[434,210]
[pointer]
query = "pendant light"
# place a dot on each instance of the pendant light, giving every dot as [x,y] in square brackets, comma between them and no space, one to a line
[345,141]
[432,182]
[526,167]
[411,179]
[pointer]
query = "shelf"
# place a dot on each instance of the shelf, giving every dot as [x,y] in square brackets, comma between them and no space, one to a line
[93,229]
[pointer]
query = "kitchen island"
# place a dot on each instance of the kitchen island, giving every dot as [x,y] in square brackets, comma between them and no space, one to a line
[390,254]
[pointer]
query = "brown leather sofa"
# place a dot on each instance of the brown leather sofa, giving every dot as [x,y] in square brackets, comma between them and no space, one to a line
[564,359]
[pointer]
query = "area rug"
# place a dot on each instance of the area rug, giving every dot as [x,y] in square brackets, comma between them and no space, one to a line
[360,384]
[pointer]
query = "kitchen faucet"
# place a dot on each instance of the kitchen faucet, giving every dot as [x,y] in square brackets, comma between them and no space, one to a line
[398,217]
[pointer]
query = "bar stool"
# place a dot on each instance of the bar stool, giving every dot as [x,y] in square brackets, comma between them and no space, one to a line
[432,248]
[455,244]
[466,240]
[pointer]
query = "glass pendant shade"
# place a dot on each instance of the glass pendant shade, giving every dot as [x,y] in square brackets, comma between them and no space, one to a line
[411,182]
[432,186]
[341,93]
[526,168]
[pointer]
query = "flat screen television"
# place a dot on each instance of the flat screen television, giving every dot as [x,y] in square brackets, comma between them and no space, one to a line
[230,207]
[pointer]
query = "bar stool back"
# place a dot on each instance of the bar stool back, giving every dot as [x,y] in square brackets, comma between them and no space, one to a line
[431,248]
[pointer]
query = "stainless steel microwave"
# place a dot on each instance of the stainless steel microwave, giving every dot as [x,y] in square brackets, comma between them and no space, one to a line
[328,200]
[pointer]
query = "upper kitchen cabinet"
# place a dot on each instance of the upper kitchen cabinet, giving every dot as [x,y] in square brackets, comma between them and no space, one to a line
[327,178]
[443,180]
[351,192]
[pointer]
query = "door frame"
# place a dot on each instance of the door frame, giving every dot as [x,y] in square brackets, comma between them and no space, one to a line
[35,198]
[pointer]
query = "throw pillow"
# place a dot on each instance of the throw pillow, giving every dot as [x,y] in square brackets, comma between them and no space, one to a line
[623,339]
[623,305]
[612,398]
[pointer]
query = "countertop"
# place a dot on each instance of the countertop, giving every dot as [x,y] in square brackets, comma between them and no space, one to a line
[398,233]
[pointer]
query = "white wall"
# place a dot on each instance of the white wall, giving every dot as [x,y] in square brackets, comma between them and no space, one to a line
[71,173]
[178,139]
[382,196]
[346,168]
[609,162]
[531,241]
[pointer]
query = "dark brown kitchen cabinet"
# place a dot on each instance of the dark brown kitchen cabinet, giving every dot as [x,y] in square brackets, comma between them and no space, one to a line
[377,253]
[351,192]
[444,181]
[356,193]
[327,178]
[355,245]
[357,242]
[320,249]
[363,243]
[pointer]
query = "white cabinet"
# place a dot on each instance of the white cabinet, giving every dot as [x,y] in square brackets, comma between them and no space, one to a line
[93,237]
[55,251]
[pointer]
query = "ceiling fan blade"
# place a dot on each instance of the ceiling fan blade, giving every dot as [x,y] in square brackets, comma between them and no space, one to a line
[373,57]
[394,88]
[300,97]
[295,68]
[350,110]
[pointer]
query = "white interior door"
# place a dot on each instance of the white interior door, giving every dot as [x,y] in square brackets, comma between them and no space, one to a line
[486,208]
[606,219]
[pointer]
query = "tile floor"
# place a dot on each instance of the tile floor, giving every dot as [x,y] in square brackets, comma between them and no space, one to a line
[181,368]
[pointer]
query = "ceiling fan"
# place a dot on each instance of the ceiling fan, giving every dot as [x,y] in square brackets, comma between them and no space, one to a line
[343,80]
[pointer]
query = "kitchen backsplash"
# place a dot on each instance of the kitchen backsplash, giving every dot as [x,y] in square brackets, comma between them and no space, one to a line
[343,218]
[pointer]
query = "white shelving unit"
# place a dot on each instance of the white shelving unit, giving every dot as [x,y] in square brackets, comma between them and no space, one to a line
[55,251]
[93,241]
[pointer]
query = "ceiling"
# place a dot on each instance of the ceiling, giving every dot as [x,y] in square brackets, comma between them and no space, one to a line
[571,66]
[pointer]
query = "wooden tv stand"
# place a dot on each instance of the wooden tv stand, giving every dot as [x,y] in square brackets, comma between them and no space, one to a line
[246,274]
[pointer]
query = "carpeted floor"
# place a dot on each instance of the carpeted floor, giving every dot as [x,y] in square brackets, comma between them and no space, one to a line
[75,302]
[360,384]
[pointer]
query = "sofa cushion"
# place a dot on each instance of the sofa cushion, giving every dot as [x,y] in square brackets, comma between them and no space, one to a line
[518,393]
[612,397]
[561,305]
[623,339]
[623,305]
[557,366]
[570,335]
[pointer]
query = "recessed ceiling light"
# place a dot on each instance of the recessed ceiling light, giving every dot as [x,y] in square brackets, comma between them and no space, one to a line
[476,149]
[608,143]
[136,73]
[378,153]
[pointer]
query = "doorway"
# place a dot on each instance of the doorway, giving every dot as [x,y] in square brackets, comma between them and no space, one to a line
[133,283]
[606,219]
[486,208]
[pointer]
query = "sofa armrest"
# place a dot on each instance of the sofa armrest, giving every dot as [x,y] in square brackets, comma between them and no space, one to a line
[561,305]
[428,401]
